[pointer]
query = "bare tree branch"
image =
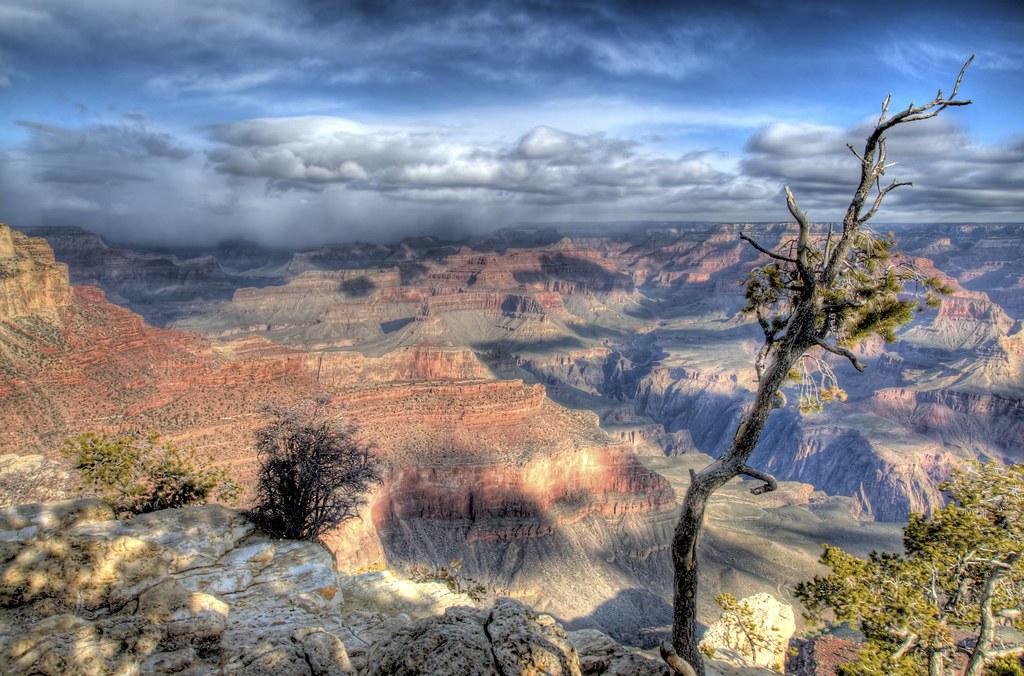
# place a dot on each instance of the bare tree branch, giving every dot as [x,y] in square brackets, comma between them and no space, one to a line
[842,352]
[882,192]
[805,228]
[770,483]
[766,252]
[680,666]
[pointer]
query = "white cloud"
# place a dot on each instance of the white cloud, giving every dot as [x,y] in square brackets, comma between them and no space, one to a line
[306,180]
[544,164]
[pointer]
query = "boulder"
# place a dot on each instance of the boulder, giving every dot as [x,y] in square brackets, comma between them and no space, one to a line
[600,654]
[772,624]
[177,591]
[508,639]
[196,591]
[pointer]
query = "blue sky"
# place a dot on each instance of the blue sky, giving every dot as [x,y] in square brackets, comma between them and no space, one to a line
[302,122]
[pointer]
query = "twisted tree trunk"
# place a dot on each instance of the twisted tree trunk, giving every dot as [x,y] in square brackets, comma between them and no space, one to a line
[810,294]
[703,484]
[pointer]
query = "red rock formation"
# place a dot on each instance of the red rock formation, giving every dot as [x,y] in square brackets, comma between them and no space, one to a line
[498,502]
[73,362]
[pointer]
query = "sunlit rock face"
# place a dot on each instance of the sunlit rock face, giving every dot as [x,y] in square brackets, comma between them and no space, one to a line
[647,321]
[496,475]
[30,279]
[190,589]
[486,502]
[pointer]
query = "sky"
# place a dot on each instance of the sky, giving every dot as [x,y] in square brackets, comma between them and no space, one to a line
[298,122]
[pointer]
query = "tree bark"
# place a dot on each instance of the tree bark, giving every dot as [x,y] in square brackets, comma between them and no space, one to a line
[702,485]
[987,633]
[684,556]
[935,662]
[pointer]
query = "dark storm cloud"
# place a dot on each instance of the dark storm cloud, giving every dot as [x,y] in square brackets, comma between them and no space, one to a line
[230,47]
[82,175]
[104,141]
[311,120]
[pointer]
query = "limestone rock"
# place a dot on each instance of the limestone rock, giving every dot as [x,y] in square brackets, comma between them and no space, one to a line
[187,591]
[30,278]
[383,592]
[600,654]
[509,639]
[773,620]
[45,517]
[455,643]
[63,644]
[324,652]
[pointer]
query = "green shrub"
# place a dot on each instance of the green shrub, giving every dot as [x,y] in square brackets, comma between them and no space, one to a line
[138,475]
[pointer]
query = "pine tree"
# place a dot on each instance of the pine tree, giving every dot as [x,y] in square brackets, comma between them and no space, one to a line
[963,570]
[819,293]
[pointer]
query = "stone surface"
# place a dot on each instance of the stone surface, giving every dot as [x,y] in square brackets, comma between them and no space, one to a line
[190,591]
[508,639]
[196,591]
[773,625]
[599,654]
[30,278]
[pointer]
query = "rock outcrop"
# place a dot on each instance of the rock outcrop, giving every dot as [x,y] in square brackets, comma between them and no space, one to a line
[757,633]
[160,285]
[507,639]
[197,591]
[30,278]
[70,361]
[172,591]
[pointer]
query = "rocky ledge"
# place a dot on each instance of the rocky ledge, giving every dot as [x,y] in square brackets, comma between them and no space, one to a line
[197,591]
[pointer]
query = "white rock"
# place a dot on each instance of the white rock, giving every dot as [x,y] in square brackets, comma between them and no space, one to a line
[773,620]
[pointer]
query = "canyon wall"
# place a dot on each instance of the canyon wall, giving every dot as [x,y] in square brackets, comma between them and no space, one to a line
[30,277]
[73,362]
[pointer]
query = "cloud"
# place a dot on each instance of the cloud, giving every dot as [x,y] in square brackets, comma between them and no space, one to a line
[84,175]
[954,178]
[103,142]
[15,20]
[307,180]
[193,82]
[304,121]
[544,166]
[224,48]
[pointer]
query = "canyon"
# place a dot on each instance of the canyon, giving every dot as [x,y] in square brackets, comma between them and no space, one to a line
[538,395]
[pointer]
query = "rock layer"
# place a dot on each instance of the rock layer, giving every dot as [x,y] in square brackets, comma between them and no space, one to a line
[30,278]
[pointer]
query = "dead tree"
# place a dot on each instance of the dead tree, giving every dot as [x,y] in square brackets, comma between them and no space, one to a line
[818,294]
[314,472]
